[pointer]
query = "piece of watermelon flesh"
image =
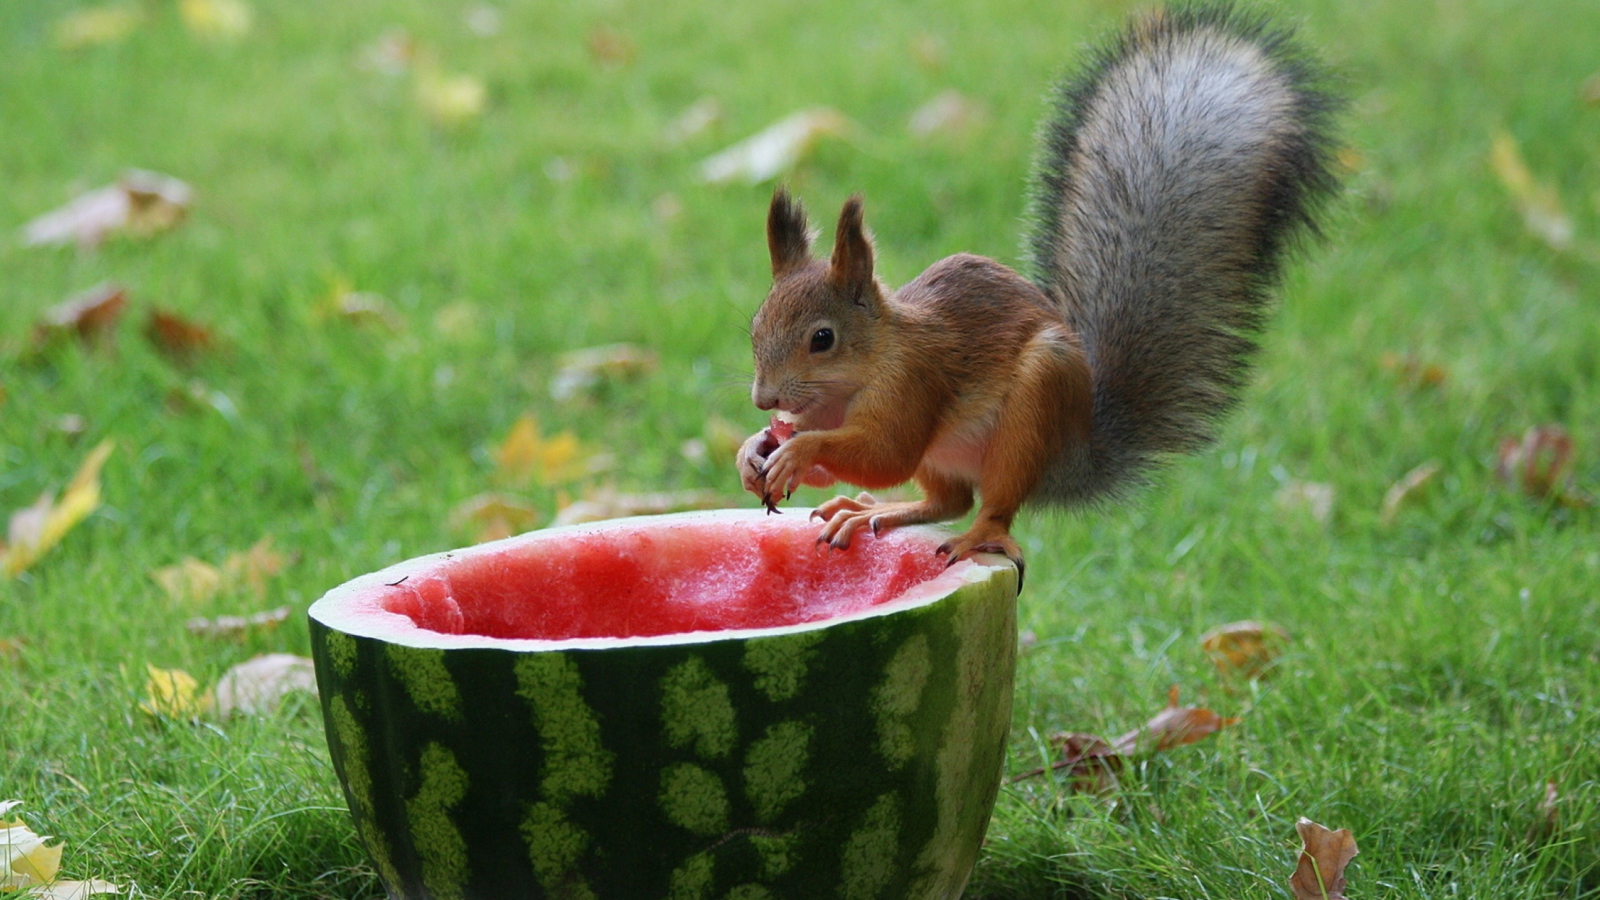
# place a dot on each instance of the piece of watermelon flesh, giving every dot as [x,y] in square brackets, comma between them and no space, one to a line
[622,582]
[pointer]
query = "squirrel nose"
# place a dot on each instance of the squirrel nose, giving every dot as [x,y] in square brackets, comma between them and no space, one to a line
[762,399]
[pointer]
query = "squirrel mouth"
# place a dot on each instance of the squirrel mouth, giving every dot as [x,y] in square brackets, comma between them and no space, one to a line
[813,415]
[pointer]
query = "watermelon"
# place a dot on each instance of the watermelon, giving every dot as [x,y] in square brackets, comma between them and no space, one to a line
[701,706]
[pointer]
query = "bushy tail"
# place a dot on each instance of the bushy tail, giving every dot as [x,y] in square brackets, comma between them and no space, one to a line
[1176,170]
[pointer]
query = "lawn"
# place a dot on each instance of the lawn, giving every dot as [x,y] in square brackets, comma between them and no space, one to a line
[1444,662]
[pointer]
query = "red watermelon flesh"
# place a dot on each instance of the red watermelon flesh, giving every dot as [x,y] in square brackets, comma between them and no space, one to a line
[628,582]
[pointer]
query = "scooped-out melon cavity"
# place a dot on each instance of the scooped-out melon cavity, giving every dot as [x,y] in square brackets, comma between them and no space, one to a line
[694,707]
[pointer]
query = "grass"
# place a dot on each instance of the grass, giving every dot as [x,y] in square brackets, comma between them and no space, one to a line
[1444,667]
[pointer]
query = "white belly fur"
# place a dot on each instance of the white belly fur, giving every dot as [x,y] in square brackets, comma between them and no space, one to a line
[958,451]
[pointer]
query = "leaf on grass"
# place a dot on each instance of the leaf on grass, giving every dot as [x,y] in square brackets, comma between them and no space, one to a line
[1540,465]
[1547,817]
[360,308]
[237,628]
[949,113]
[196,396]
[98,25]
[774,150]
[258,685]
[1407,489]
[699,118]
[1538,203]
[493,516]
[174,694]
[610,48]
[11,649]
[73,890]
[1319,875]
[1413,372]
[1092,762]
[1247,649]
[450,100]
[1309,497]
[193,581]
[584,370]
[140,203]
[221,20]
[90,315]
[178,338]
[609,504]
[28,863]
[526,454]
[458,320]
[33,531]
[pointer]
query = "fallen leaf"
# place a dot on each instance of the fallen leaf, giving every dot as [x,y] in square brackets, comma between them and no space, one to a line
[609,504]
[526,454]
[251,568]
[774,150]
[33,531]
[29,864]
[1350,160]
[192,581]
[360,308]
[90,315]
[70,424]
[1538,203]
[583,370]
[174,694]
[1319,874]
[237,628]
[1413,372]
[1246,648]
[1309,497]
[493,516]
[223,20]
[949,113]
[189,581]
[1547,817]
[1407,489]
[610,48]
[73,890]
[1174,726]
[11,648]
[1539,465]
[140,203]
[258,685]
[701,116]
[1092,765]
[98,25]
[179,338]
[450,100]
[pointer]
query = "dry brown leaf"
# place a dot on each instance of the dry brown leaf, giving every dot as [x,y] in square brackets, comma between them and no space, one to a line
[1319,875]
[174,694]
[1174,726]
[251,568]
[189,581]
[774,150]
[217,20]
[609,504]
[90,315]
[526,454]
[449,99]
[179,338]
[98,25]
[140,203]
[1540,465]
[258,685]
[699,118]
[1093,762]
[192,581]
[1309,497]
[610,48]
[33,530]
[1413,372]
[583,370]
[949,113]
[1246,649]
[493,516]
[1407,489]
[237,628]
[1538,203]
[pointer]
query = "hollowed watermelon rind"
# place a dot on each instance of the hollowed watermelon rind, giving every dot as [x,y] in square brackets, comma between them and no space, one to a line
[854,758]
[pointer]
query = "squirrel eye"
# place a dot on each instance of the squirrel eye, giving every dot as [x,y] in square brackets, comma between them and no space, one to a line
[822,340]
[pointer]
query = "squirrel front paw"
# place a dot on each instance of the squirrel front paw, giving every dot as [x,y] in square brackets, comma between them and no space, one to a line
[752,463]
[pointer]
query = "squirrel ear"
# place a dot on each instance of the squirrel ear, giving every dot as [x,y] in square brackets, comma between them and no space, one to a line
[787,238]
[851,266]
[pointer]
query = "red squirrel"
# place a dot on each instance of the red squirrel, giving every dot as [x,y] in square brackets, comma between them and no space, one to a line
[1175,171]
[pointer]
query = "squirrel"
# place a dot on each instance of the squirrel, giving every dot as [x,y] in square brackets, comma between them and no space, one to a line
[1175,171]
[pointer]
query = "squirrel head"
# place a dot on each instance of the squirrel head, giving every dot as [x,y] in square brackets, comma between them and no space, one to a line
[816,335]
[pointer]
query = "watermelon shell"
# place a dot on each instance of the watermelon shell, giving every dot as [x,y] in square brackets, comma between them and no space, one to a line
[692,707]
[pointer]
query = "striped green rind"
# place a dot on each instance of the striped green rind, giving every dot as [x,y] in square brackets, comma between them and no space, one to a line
[859,760]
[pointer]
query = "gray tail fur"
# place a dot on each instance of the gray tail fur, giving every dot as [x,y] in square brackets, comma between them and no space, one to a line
[1177,169]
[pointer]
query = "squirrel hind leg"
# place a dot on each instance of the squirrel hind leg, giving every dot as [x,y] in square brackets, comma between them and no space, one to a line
[986,536]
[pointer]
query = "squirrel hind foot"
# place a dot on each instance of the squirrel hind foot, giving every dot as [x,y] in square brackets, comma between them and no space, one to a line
[986,537]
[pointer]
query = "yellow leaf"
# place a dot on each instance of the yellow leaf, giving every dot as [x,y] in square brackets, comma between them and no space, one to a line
[1407,489]
[251,568]
[173,693]
[217,19]
[495,516]
[189,580]
[774,150]
[38,528]
[1244,648]
[450,99]
[526,454]
[1538,203]
[98,25]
